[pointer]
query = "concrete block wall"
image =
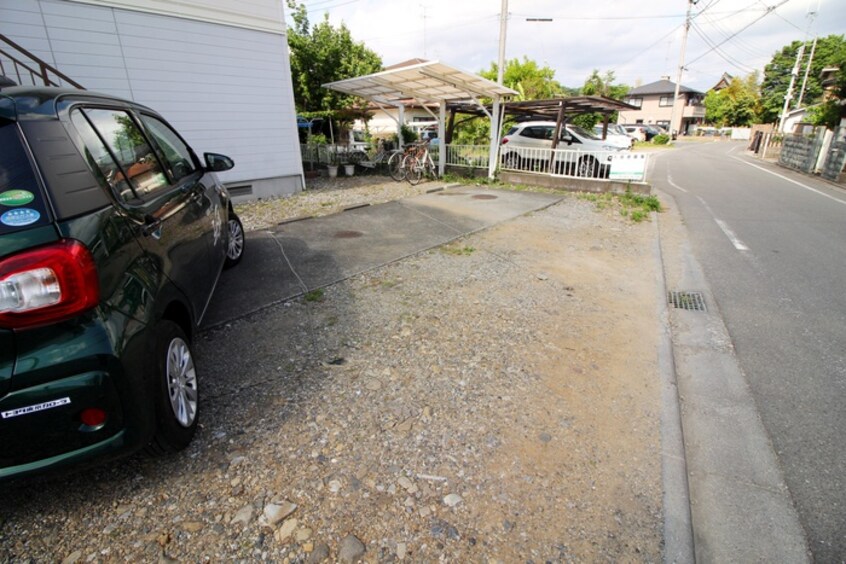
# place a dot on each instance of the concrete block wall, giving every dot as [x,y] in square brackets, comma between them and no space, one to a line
[799,153]
[836,158]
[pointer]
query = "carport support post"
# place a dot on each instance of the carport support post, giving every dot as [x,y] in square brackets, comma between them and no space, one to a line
[494,152]
[442,146]
[400,123]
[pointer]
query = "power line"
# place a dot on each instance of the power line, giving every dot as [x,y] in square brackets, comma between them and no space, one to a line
[769,10]
[325,8]
[727,58]
[744,46]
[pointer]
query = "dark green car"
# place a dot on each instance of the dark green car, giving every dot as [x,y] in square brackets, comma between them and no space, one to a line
[112,237]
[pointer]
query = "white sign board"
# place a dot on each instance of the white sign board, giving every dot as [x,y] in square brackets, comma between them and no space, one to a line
[628,166]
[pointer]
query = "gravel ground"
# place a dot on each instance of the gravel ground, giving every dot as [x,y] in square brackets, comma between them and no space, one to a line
[492,400]
[325,196]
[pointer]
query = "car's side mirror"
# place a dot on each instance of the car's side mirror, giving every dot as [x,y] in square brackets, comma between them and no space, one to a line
[218,163]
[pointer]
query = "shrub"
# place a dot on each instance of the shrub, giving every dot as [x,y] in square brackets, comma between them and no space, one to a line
[661,139]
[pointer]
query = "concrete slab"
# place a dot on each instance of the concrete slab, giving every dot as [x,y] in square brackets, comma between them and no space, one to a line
[746,524]
[263,277]
[293,258]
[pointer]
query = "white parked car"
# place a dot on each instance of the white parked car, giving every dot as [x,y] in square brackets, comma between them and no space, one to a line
[580,152]
[615,136]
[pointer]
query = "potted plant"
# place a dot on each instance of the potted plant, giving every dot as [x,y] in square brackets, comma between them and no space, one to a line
[332,166]
[349,169]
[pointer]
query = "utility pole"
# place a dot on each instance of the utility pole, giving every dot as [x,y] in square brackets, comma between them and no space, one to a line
[424,30]
[503,21]
[811,17]
[794,74]
[690,4]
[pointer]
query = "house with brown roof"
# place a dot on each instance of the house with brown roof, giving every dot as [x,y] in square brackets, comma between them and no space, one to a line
[654,103]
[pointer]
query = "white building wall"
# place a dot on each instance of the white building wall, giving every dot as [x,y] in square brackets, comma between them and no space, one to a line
[226,89]
[384,122]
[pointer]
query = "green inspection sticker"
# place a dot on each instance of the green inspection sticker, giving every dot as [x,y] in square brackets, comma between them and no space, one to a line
[16,198]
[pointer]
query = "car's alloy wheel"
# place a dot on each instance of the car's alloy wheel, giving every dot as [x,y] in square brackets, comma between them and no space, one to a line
[177,393]
[512,160]
[587,167]
[236,241]
[181,382]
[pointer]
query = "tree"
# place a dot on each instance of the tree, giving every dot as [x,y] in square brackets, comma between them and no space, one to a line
[531,81]
[830,51]
[830,112]
[321,54]
[737,105]
[603,85]
[600,85]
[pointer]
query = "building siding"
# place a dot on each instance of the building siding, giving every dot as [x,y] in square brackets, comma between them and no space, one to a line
[226,89]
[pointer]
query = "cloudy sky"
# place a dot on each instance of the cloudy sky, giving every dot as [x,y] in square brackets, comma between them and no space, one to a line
[640,40]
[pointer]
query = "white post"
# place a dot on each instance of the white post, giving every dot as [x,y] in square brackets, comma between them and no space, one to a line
[493,157]
[442,147]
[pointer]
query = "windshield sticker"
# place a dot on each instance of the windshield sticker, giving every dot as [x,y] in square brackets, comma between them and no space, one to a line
[16,197]
[19,217]
[35,408]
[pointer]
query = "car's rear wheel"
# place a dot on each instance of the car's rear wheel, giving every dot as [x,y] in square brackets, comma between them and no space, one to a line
[236,241]
[513,161]
[587,167]
[177,391]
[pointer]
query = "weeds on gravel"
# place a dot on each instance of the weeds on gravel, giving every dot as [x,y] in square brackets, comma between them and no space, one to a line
[314,295]
[634,206]
[458,251]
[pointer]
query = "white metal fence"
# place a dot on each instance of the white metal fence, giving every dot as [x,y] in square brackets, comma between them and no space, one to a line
[557,162]
[470,156]
[331,154]
[597,165]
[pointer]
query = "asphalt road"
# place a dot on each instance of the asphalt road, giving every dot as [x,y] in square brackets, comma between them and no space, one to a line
[772,244]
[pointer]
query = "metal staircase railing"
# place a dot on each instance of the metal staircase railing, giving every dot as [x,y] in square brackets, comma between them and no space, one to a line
[22,66]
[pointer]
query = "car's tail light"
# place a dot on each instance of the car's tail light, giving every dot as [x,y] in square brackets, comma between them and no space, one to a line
[47,284]
[504,140]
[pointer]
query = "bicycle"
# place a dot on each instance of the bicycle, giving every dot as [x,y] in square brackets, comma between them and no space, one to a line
[419,163]
[381,158]
[397,163]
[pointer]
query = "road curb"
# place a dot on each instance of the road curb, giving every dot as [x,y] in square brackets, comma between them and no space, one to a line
[678,526]
[740,507]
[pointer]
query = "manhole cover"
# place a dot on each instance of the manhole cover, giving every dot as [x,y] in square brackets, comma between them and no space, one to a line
[348,234]
[692,301]
[485,197]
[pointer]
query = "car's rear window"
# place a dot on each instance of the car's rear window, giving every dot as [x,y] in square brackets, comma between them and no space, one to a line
[21,201]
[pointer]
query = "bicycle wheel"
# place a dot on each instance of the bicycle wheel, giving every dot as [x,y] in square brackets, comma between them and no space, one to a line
[431,169]
[395,168]
[413,169]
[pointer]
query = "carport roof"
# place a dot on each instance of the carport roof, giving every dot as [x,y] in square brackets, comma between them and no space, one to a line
[430,81]
[548,109]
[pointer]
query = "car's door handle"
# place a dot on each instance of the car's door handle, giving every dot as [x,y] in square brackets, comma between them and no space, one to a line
[193,191]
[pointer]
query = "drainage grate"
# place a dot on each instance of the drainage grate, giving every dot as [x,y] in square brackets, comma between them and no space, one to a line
[692,301]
